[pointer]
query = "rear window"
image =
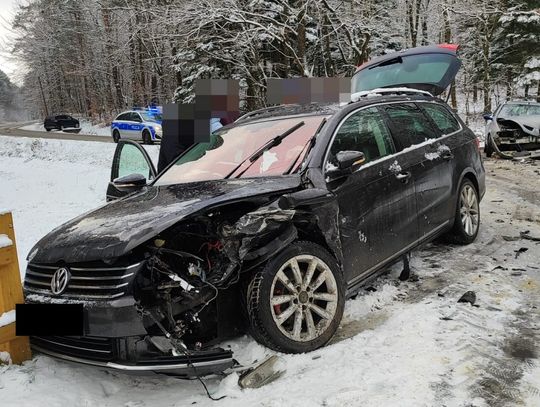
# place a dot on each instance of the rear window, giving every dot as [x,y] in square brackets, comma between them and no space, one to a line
[407,70]
[442,117]
[410,124]
[123,116]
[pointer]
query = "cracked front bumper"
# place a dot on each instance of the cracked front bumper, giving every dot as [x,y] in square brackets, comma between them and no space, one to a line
[120,354]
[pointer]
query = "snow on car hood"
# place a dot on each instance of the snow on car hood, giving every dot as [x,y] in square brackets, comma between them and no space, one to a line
[118,227]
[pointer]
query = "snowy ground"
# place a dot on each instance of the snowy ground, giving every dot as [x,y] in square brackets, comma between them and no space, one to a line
[87,128]
[403,344]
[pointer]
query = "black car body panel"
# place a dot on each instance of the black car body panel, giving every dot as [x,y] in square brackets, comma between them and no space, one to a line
[193,246]
[116,228]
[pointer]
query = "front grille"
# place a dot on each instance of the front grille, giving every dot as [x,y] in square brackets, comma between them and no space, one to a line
[85,347]
[98,283]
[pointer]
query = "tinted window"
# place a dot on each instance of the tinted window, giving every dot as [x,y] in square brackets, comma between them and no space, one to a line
[123,116]
[405,70]
[134,117]
[61,117]
[442,117]
[410,124]
[363,131]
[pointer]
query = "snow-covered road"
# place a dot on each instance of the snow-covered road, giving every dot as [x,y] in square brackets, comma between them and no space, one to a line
[400,344]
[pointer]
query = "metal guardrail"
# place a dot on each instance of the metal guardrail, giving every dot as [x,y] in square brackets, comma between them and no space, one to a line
[10,292]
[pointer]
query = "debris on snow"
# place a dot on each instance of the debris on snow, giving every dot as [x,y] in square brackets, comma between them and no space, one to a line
[525,235]
[520,250]
[469,296]
[271,369]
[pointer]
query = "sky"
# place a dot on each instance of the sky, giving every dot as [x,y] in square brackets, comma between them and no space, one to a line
[10,67]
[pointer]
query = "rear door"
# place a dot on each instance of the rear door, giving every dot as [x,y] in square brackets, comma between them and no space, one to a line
[376,202]
[428,160]
[444,154]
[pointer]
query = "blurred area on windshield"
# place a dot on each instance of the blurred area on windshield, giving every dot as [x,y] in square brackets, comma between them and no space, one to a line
[228,147]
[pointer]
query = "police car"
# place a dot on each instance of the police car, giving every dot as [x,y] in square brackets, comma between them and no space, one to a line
[138,124]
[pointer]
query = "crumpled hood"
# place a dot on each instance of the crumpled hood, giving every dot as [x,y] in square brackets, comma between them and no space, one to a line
[119,226]
[530,121]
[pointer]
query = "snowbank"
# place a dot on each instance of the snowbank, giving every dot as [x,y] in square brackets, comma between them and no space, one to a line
[61,180]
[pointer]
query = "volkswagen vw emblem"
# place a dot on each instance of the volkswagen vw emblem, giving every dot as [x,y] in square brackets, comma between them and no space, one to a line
[60,280]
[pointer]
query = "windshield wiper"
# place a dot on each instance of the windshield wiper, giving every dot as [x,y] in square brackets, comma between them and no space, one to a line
[309,144]
[397,60]
[266,146]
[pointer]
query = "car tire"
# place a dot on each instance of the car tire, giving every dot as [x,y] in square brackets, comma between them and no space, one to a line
[47,129]
[488,148]
[116,136]
[296,311]
[467,216]
[146,137]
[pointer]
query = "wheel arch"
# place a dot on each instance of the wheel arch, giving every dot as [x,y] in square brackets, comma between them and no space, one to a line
[467,173]
[149,130]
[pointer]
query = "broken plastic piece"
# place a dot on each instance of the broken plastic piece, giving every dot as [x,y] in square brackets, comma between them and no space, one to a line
[269,370]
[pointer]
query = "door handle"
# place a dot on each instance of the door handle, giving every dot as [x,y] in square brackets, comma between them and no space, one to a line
[404,176]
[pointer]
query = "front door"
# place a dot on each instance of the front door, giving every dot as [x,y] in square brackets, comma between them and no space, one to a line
[376,202]
[134,126]
[129,158]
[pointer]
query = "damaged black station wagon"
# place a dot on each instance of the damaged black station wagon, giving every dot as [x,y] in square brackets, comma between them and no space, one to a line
[267,228]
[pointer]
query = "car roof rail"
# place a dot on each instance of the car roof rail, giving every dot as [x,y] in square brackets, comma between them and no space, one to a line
[355,97]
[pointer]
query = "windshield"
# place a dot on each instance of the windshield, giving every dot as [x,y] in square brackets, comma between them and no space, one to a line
[229,147]
[407,70]
[147,117]
[513,110]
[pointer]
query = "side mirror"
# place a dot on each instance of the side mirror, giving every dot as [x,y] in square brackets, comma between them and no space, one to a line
[350,159]
[130,181]
[487,116]
[347,163]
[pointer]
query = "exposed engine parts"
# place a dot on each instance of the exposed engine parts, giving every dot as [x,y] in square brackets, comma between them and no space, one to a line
[178,286]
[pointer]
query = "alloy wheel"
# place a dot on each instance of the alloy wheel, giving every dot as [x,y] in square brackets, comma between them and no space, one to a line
[468,204]
[304,298]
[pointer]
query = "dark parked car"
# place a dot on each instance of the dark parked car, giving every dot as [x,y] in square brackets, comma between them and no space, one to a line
[268,227]
[61,122]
